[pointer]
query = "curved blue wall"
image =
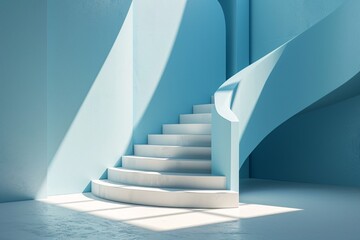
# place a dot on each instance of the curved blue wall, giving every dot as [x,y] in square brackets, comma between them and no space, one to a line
[89,90]
[317,145]
[237,18]
[285,82]
[312,65]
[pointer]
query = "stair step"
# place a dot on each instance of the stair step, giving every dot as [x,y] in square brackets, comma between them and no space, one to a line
[166,179]
[180,140]
[202,108]
[172,151]
[173,170]
[165,197]
[166,164]
[195,118]
[187,129]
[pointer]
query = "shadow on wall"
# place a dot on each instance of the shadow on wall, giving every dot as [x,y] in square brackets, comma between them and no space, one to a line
[175,69]
[91,125]
[348,90]
[237,18]
[314,64]
[310,66]
[233,112]
[89,90]
[328,53]
[319,145]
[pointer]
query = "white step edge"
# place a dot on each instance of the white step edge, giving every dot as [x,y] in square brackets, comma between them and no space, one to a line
[166,180]
[165,197]
[187,129]
[146,150]
[202,108]
[166,164]
[180,140]
[195,118]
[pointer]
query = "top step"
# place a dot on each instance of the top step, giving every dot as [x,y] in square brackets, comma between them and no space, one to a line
[202,108]
[195,118]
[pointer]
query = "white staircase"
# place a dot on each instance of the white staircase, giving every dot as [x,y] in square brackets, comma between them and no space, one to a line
[172,170]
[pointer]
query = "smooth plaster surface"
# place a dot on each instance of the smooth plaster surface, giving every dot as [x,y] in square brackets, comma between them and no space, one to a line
[179,60]
[272,23]
[22,99]
[89,90]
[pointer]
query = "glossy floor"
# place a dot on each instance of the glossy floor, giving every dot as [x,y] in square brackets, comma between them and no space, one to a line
[268,210]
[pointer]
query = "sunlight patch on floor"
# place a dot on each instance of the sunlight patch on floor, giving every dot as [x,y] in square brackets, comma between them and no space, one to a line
[159,218]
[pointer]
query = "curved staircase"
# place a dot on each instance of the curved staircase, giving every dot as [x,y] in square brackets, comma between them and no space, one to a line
[288,80]
[172,170]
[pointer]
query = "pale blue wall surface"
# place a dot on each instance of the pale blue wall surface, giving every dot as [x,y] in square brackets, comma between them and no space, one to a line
[22,99]
[89,90]
[237,18]
[273,22]
[179,60]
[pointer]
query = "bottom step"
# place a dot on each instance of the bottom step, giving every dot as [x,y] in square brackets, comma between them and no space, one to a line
[165,197]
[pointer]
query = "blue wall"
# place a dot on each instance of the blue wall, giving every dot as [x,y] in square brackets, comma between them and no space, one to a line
[277,21]
[283,83]
[89,91]
[174,49]
[237,18]
[179,59]
[68,83]
[319,146]
[22,99]
[83,89]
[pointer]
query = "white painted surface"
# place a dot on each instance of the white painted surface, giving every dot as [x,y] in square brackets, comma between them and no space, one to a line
[195,118]
[165,197]
[166,180]
[180,140]
[202,108]
[187,129]
[166,164]
[178,160]
[172,151]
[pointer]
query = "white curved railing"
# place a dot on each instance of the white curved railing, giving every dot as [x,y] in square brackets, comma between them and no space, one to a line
[259,98]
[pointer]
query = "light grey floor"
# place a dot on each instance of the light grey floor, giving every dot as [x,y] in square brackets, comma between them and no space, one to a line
[268,210]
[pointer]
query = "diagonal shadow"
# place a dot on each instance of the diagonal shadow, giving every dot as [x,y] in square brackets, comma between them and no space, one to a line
[83,89]
[193,71]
